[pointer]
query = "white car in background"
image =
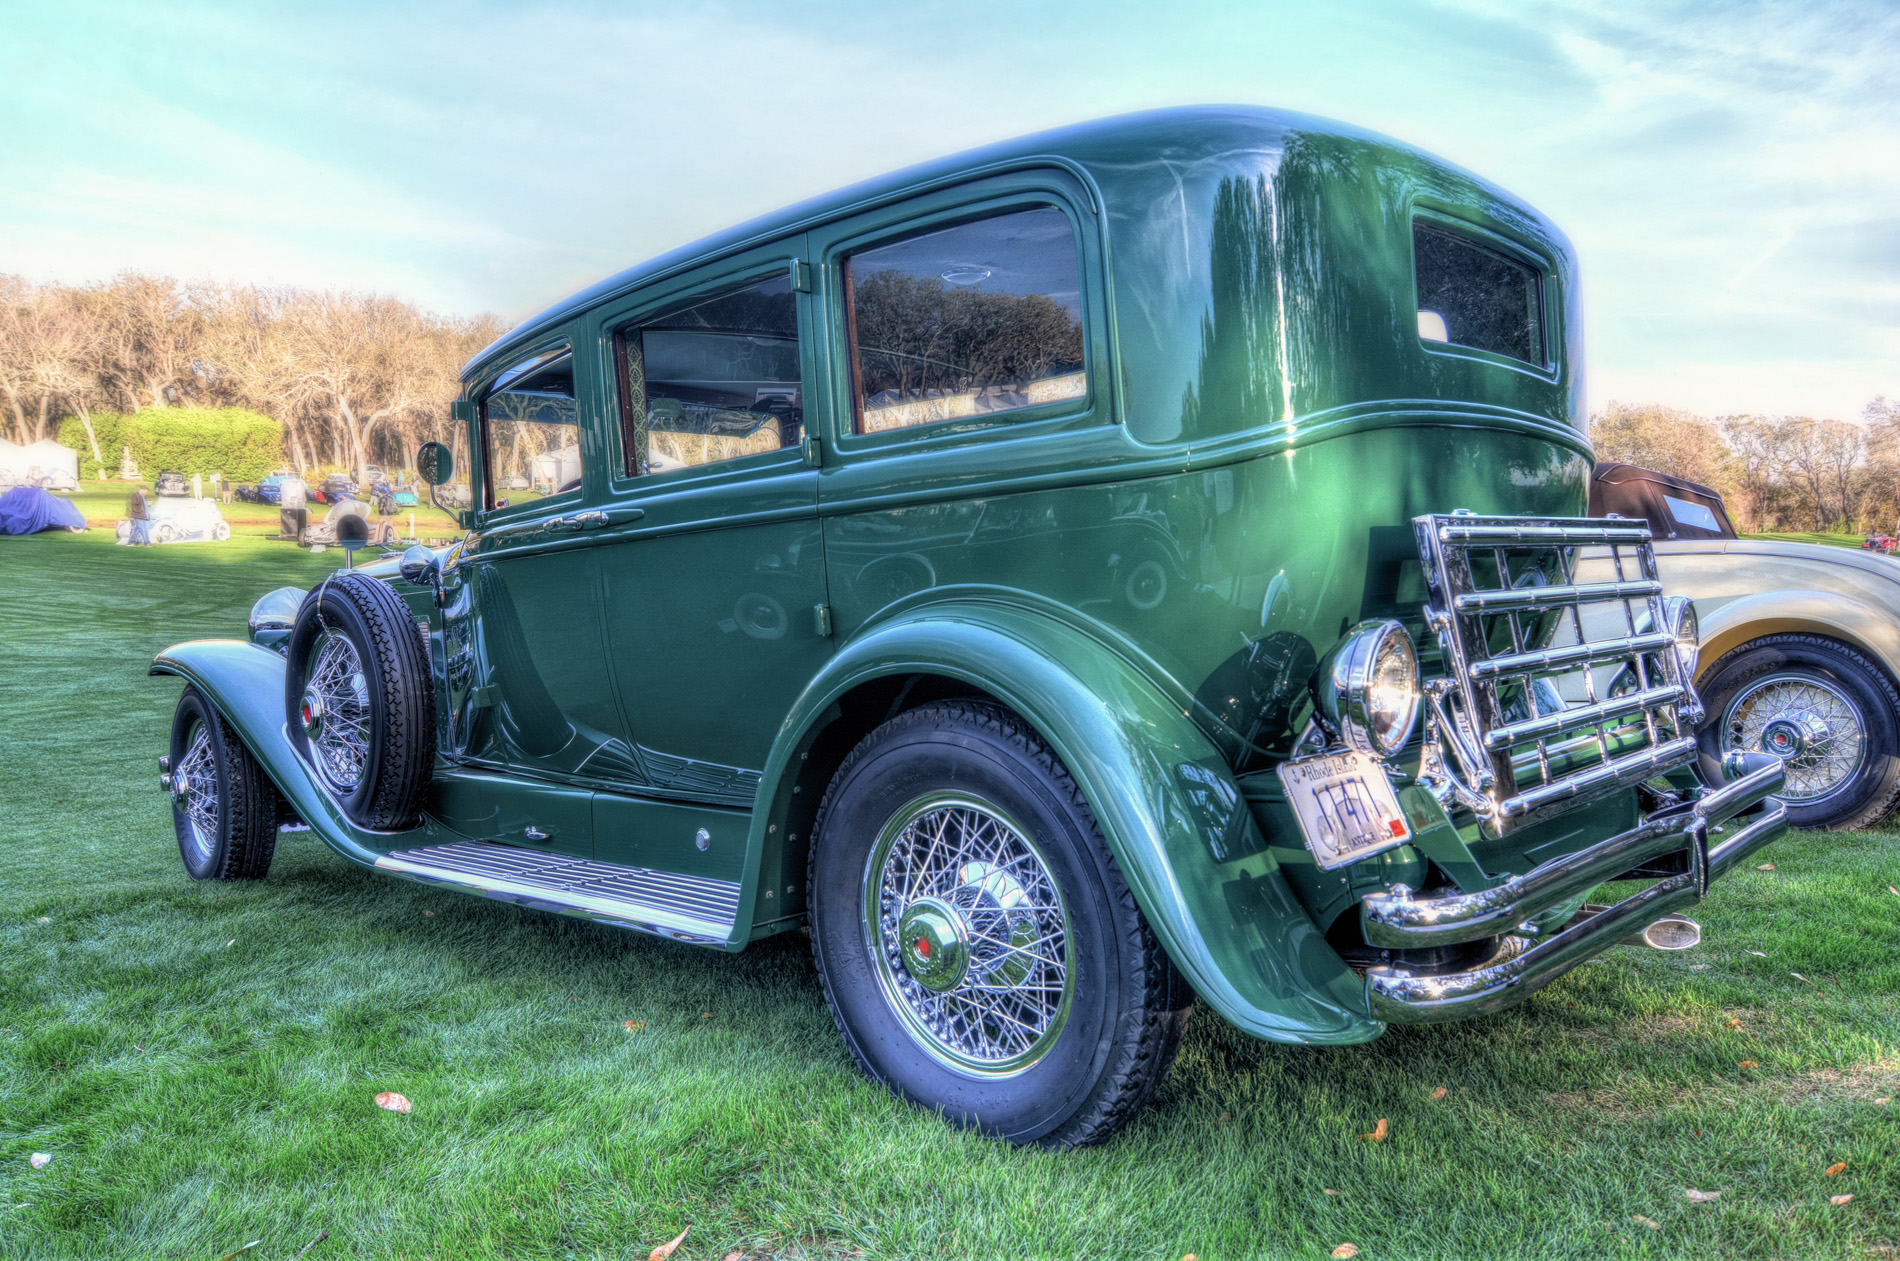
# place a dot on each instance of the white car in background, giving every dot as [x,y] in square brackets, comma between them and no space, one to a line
[182,521]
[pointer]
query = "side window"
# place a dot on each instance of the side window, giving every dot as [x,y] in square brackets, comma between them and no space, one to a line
[973,320]
[531,431]
[713,380]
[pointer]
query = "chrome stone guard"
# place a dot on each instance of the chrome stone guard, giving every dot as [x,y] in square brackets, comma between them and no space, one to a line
[1506,770]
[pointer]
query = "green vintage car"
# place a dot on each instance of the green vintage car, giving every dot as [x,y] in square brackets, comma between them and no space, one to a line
[1027,574]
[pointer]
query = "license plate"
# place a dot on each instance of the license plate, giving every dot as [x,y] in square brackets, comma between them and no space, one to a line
[1346,807]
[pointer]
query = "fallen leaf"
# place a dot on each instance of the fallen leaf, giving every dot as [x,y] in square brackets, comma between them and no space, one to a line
[1759,954]
[1734,1024]
[390,1101]
[1838,1200]
[1881,1103]
[1894,891]
[1379,1132]
[47,919]
[1701,1197]
[1835,1168]
[1188,1256]
[1440,1093]
[1698,967]
[1748,1064]
[735,1256]
[428,912]
[137,1047]
[665,1250]
[1640,1220]
[230,943]
[1765,867]
[1346,1250]
[1797,976]
[705,1015]
[633,1025]
[241,1251]
[1225,1117]
[1329,1191]
[39,1160]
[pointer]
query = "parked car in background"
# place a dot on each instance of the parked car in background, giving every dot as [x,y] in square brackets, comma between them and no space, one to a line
[172,484]
[338,487]
[1800,651]
[1038,624]
[1878,542]
[270,489]
[186,520]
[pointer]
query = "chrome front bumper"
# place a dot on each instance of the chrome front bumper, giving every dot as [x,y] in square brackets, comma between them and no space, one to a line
[1527,960]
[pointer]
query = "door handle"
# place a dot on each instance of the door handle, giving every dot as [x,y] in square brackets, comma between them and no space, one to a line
[590,520]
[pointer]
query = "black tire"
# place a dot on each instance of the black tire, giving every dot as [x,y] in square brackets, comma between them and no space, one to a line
[377,753]
[1860,798]
[232,831]
[1126,1006]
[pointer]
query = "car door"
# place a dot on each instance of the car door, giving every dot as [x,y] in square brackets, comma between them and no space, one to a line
[713,587]
[526,619]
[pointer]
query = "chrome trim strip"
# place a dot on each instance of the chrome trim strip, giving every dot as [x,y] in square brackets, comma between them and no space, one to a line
[1579,716]
[1547,597]
[1631,768]
[1541,535]
[1398,920]
[1575,655]
[687,908]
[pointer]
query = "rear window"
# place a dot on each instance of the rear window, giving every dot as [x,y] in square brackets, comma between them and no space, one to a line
[1696,516]
[1472,296]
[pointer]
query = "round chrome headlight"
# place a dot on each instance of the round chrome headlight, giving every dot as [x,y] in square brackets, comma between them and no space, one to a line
[1367,688]
[1679,619]
[274,614]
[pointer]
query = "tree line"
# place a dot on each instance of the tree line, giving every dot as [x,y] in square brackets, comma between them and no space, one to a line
[354,379]
[1775,473]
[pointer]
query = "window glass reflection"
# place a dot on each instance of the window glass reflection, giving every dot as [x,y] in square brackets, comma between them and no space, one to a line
[1471,296]
[973,320]
[531,431]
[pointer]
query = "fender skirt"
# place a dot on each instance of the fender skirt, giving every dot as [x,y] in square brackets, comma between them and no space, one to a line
[1164,797]
[246,684]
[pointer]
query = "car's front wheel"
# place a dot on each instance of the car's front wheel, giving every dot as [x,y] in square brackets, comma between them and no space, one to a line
[224,808]
[1831,715]
[980,950]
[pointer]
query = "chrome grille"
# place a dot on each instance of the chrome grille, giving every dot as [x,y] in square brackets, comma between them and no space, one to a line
[1557,692]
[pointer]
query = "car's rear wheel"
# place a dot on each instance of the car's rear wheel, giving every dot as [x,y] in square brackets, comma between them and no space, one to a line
[360,700]
[1831,715]
[224,808]
[980,950]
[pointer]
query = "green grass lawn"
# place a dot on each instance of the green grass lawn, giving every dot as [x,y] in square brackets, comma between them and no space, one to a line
[201,1061]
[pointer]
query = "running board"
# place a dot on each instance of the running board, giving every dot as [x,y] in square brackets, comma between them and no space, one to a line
[686,908]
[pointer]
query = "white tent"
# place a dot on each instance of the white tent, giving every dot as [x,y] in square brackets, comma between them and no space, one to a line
[558,468]
[46,456]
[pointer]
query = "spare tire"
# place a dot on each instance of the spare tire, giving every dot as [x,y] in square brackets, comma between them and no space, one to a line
[360,699]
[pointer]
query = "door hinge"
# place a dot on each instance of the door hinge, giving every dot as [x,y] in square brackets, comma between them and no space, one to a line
[462,411]
[801,275]
[821,620]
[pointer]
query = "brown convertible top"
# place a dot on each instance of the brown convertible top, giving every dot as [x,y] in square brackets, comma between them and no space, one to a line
[1675,507]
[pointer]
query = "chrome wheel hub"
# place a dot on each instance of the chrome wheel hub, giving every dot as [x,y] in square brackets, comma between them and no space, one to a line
[195,791]
[1814,728]
[968,935]
[334,711]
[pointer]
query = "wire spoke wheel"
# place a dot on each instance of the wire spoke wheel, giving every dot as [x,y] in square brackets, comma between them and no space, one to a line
[968,934]
[1816,730]
[335,711]
[195,786]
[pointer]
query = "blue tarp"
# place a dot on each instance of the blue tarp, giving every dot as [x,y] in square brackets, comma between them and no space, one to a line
[28,510]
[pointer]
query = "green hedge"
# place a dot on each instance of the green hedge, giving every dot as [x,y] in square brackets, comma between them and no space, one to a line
[240,444]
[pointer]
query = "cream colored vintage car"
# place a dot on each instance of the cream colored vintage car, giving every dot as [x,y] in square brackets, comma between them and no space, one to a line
[1800,646]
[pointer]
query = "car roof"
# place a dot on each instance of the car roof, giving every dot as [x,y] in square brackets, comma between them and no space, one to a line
[1095,148]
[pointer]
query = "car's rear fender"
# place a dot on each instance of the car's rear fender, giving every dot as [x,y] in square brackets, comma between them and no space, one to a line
[1177,824]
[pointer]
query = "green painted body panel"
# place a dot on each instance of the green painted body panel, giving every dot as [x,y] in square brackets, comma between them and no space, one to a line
[1147,573]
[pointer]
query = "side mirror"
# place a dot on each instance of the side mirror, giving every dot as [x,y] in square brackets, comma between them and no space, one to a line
[435,463]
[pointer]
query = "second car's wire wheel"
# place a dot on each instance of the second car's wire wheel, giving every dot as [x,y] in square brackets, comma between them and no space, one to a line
[335,711]
[1815,729]
[968,935]
[195,790]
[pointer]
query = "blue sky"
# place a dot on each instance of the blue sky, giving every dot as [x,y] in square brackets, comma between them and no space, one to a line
[1730,173]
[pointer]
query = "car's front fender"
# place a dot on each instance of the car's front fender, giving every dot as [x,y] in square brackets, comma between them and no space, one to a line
[1871,628]
[245,683]
[1161,792]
